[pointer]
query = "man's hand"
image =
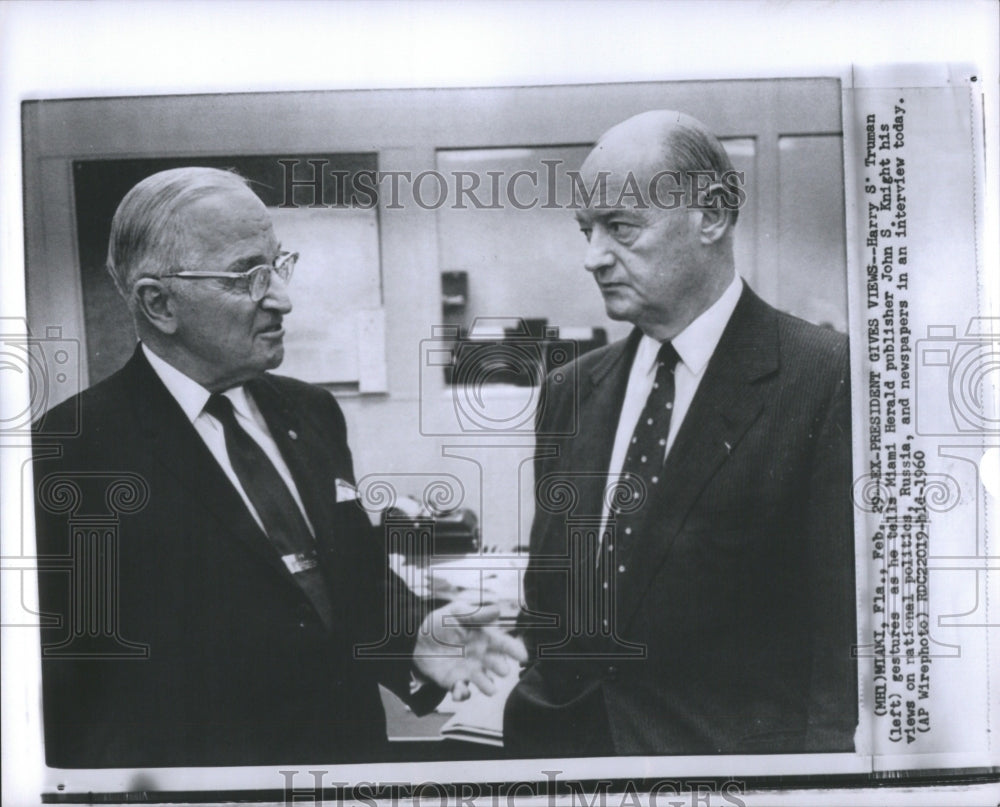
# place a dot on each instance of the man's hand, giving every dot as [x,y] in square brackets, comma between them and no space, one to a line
[458,645]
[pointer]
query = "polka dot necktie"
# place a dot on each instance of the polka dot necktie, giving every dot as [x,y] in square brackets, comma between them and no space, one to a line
[643,466]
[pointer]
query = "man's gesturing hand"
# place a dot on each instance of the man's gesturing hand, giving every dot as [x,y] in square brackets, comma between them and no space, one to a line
[457,645]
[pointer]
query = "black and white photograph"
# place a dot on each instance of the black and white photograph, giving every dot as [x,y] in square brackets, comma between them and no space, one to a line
[572,434]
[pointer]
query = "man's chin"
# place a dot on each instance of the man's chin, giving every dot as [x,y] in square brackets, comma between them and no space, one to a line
[618,302]
[274,358]
[616,311]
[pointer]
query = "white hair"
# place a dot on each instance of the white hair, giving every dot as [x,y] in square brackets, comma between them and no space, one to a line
[146,239]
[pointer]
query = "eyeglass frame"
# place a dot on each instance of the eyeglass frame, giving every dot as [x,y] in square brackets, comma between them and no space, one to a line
[283,267]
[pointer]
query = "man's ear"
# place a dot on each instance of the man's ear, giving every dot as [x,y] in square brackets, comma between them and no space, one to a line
[716,218]
[156,304]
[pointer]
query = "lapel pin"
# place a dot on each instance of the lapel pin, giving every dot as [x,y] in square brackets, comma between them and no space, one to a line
[293,434]
[729,448]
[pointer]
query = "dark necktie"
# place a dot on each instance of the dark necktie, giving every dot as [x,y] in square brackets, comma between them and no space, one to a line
[283,521]
[643,462]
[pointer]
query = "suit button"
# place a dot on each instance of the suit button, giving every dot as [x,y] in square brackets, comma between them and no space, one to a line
[302,624]
[612,671]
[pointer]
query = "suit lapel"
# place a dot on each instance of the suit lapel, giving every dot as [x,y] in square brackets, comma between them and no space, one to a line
[315,463]
[304,450]
[171,440]
[727,402]
[601,394]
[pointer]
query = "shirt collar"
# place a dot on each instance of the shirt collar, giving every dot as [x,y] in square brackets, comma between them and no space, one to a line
[697,342]
[189,394]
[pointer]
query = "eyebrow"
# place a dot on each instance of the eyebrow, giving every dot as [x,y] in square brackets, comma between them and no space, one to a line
[245,264]
[249,262]
[605,213]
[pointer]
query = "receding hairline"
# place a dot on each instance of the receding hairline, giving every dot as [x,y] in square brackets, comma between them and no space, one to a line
[662,129]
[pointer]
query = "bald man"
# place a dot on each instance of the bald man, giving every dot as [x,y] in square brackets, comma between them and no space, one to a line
[696,596]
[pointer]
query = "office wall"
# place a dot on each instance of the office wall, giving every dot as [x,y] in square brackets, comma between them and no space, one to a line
[791,248]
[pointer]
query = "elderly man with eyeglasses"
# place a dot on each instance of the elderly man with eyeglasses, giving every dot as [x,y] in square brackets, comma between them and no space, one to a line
[254,613]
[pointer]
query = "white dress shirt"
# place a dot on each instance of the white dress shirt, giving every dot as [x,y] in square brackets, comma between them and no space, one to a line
[192,397]
[695,346]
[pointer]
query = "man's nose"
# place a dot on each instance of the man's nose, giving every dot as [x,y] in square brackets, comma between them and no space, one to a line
[598,255]
[276,298]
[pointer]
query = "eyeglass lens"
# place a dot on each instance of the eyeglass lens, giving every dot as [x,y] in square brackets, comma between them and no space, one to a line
[260,277]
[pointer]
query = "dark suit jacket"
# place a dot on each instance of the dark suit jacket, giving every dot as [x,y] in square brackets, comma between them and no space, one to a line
[240,668]
[738,599]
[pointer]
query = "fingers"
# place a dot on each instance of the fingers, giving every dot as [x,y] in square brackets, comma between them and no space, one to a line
[482,680]
[504,643]
[484,615]
[496,663]
[460,691]
[496,639]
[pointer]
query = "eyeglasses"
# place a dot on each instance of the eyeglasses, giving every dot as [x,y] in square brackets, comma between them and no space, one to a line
[257,280]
